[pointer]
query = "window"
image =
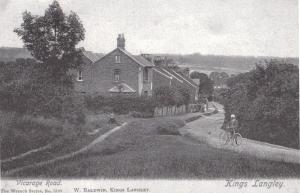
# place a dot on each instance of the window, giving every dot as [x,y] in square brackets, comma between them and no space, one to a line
[79,77]
[117,73]
[118,59]
[146,74]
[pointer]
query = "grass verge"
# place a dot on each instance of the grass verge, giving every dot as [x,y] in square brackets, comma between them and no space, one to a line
[64,144]
[141,151]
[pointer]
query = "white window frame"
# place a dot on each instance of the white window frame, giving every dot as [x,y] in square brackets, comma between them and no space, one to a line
[79,76]
[117,59]
[117,75]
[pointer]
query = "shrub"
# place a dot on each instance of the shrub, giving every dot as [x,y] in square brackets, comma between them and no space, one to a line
[121,104]
[24,134]
[165,96]
[170,96]
[139,106]
[169,127]
[141,114]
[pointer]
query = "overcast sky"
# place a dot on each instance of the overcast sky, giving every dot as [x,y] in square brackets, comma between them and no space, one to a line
[226,27]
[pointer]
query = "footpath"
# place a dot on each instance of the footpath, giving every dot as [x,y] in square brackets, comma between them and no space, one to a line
[67,156]
[208,128]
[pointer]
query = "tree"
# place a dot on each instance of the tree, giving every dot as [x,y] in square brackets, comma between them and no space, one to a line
[52,37]
[206,88]
[201,76]
[219,78]
[266,102]
[205,84]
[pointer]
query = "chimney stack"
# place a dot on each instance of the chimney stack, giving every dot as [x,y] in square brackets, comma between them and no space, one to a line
[121,41]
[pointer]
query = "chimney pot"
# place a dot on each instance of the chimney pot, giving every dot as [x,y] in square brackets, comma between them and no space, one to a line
[121,41]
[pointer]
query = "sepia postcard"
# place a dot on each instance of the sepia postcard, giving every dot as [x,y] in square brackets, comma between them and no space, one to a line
[149,96]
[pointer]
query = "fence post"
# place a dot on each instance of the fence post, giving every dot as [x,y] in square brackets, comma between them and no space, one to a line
[166,111]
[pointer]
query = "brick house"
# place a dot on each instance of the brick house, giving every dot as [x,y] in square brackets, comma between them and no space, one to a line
[121,72]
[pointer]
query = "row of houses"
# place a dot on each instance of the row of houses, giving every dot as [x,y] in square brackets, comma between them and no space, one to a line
[119,71]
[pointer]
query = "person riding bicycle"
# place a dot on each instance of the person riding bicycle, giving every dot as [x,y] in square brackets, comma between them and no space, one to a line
[232,125]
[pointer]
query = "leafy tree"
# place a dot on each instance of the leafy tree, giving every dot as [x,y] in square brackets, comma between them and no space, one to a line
[205,84]
[206,88]
[45,86]
[266,102]
[197,75]
[219,78]
[52,37]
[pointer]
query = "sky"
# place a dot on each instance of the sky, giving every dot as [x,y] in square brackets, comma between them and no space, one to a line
[219,27]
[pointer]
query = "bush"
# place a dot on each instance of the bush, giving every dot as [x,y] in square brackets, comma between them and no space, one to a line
[170,127]
[139,106]
[141,114]
[121,104]
[170,96]
[23,134]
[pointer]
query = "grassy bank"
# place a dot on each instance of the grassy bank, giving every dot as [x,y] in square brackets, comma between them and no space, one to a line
[66,142]
[153,148]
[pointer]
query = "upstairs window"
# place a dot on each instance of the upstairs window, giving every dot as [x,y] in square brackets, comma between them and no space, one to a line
[117,73]
[117,59]
[79,76]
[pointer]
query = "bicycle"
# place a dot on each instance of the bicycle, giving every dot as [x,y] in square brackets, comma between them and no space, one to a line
[226,137]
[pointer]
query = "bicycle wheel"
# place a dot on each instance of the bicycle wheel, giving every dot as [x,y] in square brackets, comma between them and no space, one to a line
[223,136]
[238,139]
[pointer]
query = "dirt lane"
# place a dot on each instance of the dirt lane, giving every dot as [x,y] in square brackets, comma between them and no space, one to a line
[207,129]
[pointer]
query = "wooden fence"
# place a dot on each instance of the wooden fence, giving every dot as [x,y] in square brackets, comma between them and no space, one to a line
[177,110]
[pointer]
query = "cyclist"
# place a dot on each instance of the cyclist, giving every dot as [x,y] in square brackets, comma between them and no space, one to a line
[232,127]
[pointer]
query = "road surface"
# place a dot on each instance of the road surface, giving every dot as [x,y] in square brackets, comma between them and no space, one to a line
[207,129]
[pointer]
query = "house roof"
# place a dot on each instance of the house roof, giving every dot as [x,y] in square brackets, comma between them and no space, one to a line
[159,70]
[139,59]
[92,56]
[178,76]
[145,63]
[167,72]
[184,78]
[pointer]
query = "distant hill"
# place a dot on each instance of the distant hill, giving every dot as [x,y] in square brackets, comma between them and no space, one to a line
[228,64]
[11,54]
[198,62]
